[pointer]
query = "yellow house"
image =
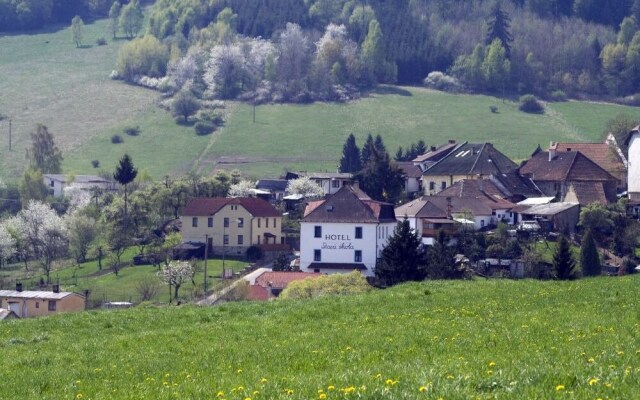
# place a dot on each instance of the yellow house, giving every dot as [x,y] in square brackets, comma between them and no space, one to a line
[466,161]
[231,225]
[31,303]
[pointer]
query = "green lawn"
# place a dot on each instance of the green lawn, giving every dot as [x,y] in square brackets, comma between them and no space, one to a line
[482,339]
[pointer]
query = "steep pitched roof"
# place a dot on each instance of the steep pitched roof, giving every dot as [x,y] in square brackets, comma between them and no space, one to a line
[409,169]
[588,192]
[514,184]
[472,159]
[211,205]
[278,185]
[565,166]
[473,188]
[436,153]
[600,153]
[349,204]
[437,206]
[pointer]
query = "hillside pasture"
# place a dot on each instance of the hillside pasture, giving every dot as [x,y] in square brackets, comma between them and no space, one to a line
[481,339]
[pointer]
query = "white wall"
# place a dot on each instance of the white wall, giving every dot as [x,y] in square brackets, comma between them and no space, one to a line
[633,176]
[338,243]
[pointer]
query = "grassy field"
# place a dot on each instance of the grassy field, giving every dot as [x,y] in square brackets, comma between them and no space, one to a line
[451,340]
[45,79]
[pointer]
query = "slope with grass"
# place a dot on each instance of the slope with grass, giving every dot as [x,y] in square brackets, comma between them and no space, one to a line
[454,340]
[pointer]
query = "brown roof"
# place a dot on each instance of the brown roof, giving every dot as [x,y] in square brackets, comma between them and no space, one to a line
[436,206]
[280,280]
[211,205]
[565,166]
[436,154]
[473,188]
[513,184]
[349,205]
[409,169]
[600,153]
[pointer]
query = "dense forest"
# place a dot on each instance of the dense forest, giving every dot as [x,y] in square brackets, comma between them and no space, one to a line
[303,50]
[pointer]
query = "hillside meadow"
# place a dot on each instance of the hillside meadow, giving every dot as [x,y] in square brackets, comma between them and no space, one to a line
[480,339]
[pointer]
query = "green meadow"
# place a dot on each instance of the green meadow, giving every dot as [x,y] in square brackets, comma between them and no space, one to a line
[479,339]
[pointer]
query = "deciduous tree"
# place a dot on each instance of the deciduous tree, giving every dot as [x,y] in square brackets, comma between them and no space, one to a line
[114,18]
[77,30]
[305,187]
[131,19]
[176,274]
[184,104]
[43,153]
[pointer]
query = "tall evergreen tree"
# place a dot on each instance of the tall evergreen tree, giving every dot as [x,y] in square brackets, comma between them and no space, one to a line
[563,262]
[440,259]
[379,144]
[125,174]
[589,257]
[498,26]
[402,259]
[380,178]
[367,150]
[350,161]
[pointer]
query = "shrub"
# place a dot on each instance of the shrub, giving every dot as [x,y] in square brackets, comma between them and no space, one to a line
[142,56]
[336,284]
[115,139]
[254,253]
[204,127]
[559,95]
[132,130]
[101,41]
[530,104]
[441,81]
[95,163]
[213,116]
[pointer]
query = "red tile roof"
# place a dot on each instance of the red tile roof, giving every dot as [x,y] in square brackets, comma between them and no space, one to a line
[565,166]
[349,204]
[258,293]
[280,280]
[600,153]
[211,205]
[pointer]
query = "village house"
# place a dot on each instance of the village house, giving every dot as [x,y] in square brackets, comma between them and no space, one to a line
[330,182]
[270,284]
[606,155]
[28,303]
[275,187]
[465,161]
[560,217]
[57,183]
[633,144]
[345,232]
[435,154]
[412,176]
[232,225]
[570,177]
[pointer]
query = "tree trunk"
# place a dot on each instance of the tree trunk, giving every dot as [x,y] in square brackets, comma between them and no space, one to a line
[176,291]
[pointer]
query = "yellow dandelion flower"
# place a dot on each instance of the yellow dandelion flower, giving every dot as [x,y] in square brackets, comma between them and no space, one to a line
[322,396]
[388,382]
[449,376]
[331,387]
[378,376]
[239,371]
[220,394]
[263,380]
[78,382]
[608,385]
[593,381]
[288,392]
[422,389]
[247,398]
[591,360]
[255,392]
[559,388]
[492,364]
[79,396]
[240,388]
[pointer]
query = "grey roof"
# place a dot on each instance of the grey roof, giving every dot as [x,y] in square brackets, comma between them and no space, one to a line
[472,159]
[349,205]
[36,294]
[276,185]
[544,209]
[77,178]
[323,175]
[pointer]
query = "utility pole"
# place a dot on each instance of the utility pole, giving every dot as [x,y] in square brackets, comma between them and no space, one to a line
[9,134]
[206,257]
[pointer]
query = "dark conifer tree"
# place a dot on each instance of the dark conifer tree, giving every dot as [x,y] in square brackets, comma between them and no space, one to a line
[563,262]
[399,155]
[380,178]
[589,257]
[125,174]
[379,144]
[498,26]
[402,259]
[367,150]
[350,161]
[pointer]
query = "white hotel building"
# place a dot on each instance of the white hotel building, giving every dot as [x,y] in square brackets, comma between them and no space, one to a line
[346,231]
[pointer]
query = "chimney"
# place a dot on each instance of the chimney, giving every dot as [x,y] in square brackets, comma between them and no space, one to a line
[56,288]
[18,286]
[552,150]
[452,141]
[433,148]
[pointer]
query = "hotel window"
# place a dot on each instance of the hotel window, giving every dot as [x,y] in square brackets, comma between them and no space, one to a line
[274,223]
[335,183]
[240,240]
[240,222]
[317,255]
[432,185]
[210,222]
[258,239]
[443,185]
[358,232]
[226,239]
[52,305]
[226,222]
[258,222]
[317,231]
[194,222]
[358,256]
[266,222]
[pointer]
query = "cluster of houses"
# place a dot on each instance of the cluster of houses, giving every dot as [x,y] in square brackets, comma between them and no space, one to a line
[456,185]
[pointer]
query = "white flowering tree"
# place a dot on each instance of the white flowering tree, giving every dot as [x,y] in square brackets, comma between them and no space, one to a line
[7,244]
[45,232]
[176,273]
[305,187]
[78,198]
[14,226]
[241,189]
